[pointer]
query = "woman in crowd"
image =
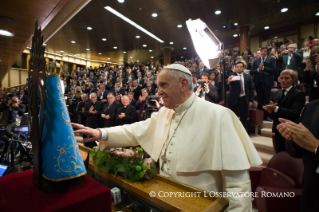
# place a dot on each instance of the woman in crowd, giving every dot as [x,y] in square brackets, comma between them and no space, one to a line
[78,92]
[305,52]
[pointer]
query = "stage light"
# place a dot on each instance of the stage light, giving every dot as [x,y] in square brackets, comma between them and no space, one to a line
[207,45]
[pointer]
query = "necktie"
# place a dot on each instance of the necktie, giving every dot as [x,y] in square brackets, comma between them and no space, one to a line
[262,60]
[241,84]
[289,58]
[282,95]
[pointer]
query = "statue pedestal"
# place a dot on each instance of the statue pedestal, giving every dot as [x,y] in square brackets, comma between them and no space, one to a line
[18,193]
[167,194]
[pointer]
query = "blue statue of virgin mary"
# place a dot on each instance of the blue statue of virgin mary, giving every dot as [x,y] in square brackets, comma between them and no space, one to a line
[61,159]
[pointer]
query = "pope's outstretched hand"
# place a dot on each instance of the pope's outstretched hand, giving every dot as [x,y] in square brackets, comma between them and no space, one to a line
[92,134]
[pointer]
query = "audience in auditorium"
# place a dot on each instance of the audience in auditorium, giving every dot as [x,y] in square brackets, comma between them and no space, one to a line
[117,90]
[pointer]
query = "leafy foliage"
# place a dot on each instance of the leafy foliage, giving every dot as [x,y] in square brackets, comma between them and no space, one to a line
[130,167]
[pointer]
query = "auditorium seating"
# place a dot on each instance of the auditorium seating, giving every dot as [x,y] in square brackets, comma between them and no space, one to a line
[282,176]
[255,116]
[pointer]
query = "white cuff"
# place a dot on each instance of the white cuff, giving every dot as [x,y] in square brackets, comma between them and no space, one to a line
[276,109]
[103,134]
[197,94]
[263,68]
[207,91]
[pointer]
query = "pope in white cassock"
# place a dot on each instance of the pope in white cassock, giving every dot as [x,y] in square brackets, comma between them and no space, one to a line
[197,142]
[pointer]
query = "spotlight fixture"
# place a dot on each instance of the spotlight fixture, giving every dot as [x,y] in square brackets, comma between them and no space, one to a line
[152,57]
[182,57]
[100,53]
[317,14]
[89,28]
[171,43]
[120,1]
[115,47]
[179,26]
[184,48]
[283,10]
[138,36]
[154,15]
[206,44]
[131,57]
[72,41]
[124,52]
[137,61]
[217,12]
[150,50]
[87,49]
[104,39]
[108,58]
[235,35]
[61,51]
[44,44]
[235,24]
[144,45]
[266,27]
[6,33]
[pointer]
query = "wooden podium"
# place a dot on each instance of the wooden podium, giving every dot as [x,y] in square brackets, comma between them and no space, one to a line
[160,187]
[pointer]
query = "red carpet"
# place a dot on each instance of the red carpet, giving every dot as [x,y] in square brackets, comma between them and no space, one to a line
[18,193]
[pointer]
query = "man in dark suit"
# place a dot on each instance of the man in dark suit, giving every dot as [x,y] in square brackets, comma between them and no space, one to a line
[302,141]
[109,111]
[201,69]
[67,88]
[91,88]
[131,98]
[92,112]
[23,98]
[137,90]
[286,103]
[127,113]
[72,102]
[209,91]
[104,93]
[140,80]
[291,60]
[81,108]
[241,95]
[263,69]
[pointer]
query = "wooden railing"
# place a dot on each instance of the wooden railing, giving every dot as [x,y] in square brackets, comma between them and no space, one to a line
[20,86]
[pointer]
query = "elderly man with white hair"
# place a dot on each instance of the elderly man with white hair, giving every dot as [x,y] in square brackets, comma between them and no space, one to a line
[196,142]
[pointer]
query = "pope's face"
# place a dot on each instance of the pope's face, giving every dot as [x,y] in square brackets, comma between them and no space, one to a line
[169,89]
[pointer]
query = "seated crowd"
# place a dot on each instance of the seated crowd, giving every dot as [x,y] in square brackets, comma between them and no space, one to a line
[110,96]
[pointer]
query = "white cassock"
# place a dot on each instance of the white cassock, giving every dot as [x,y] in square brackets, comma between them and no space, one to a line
[210,149]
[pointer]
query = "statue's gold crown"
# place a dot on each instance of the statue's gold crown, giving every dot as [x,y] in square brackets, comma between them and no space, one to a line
[53,68]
